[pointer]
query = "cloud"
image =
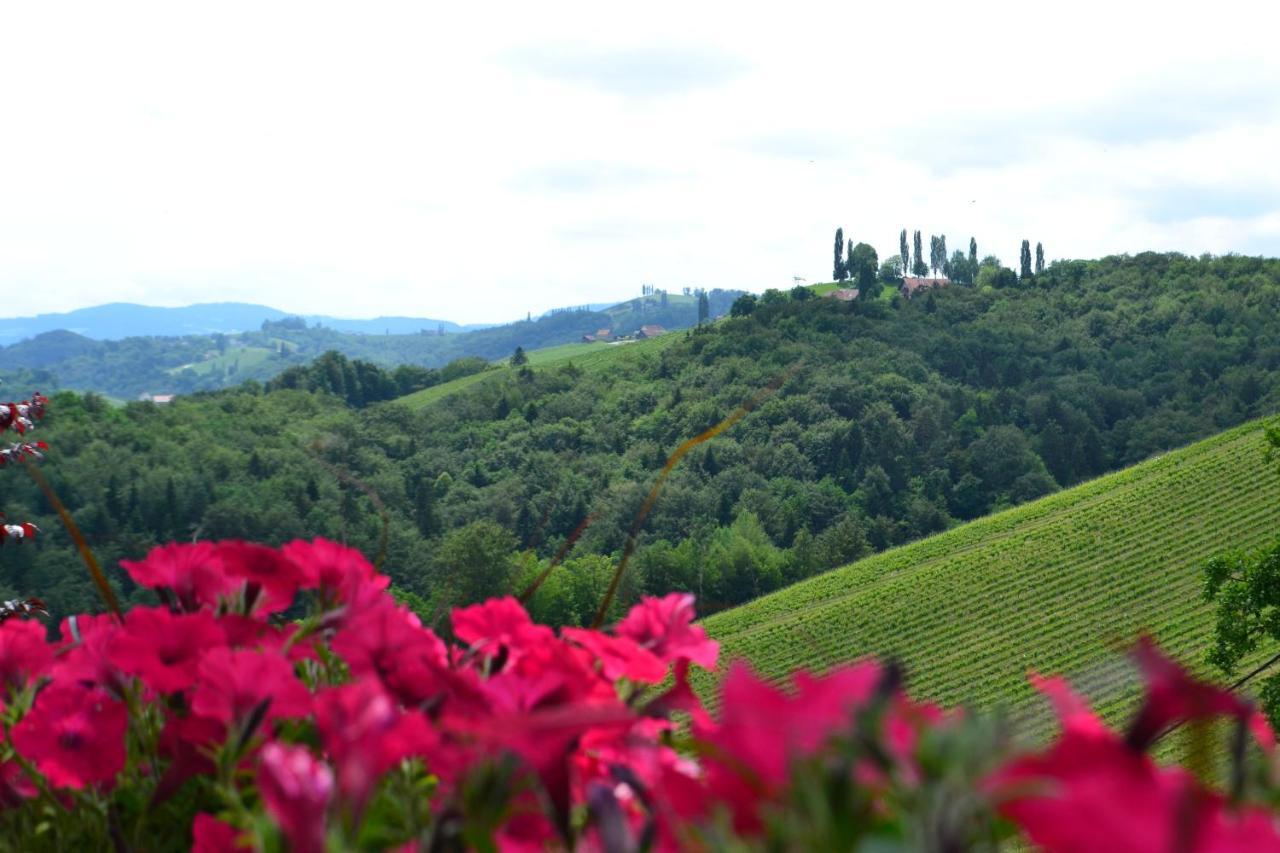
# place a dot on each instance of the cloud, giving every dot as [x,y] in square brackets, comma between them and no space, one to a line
[586,177]
[1178,203]
[644,72]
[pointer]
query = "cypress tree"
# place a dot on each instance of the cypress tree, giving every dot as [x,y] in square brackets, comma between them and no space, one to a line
[904,252]
[704,306]
[919,268]
[942,252]
[973,255]
[1039,258]
[838,270]
[1025,258]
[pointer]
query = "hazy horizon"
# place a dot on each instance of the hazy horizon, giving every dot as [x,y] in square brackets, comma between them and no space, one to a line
[475,165]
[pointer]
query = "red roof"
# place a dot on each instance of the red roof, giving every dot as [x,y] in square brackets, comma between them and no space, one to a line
[844,295]
[910,284]
[652,331]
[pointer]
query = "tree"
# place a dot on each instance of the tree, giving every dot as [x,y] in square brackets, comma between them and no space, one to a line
[1039,258]
[838,271]
[1025,259]
[704,306]
[918,268]
[942,252]
[973,254]
[1246,586]
[743,306]
[904,252]
[518,357]
[863,270]
[891,270]
[800,293]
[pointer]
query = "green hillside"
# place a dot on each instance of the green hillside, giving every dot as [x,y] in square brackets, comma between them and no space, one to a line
[1057,585]
[586,356]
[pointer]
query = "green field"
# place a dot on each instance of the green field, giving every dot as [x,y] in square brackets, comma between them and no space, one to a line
[1058,585]
[585,356]
[242,358]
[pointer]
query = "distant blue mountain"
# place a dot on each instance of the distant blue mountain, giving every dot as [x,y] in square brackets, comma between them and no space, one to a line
[120,320]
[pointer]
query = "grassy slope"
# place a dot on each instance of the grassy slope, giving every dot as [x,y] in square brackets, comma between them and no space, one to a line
[585,356]
[1056,585]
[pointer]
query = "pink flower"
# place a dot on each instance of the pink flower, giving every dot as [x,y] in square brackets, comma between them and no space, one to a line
[24,654]
[193,572]
[74,735]
[496,624]
[271,579]
[296,789]
[188,743]
[665,627]
[365,735]
[15,785]
[232,683]
[619,657]
[162,649]
[337,570]
[1092,791]
[389,642]
[1173,697]
[210,835]
[83,657]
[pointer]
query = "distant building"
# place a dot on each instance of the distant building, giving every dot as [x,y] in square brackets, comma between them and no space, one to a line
[604,334]
[156,398]
[589,339]
[911,286]
[651,331]
[844,295]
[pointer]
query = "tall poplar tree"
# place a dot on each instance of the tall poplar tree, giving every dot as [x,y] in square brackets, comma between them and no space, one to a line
[942,252]
[838,270]
[918,268]
[904,251]
[1039,258]
[973,254]
[704,307]
[1025,258]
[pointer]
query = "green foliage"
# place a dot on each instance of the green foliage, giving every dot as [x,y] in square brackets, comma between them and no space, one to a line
[893,423]
[743,305]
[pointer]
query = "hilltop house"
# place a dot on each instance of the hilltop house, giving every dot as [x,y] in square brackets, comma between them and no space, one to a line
[156,398]
[911,286]
[843,295]
[650,331]
[600,335]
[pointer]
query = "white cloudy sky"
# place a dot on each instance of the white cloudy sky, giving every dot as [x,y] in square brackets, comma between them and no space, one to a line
[379,158]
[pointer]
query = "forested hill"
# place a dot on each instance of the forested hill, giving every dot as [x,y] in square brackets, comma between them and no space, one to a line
[897,419]
[154,365]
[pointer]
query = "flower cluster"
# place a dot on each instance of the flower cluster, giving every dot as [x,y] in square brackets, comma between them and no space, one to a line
[283,694]
[20,417]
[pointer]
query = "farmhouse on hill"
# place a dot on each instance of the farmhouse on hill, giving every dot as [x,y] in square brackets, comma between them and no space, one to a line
[848,295]
[650,331]
[911,285]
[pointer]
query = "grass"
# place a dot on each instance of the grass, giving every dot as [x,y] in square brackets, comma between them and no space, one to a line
[1059,585]
[585,356]
[243,358]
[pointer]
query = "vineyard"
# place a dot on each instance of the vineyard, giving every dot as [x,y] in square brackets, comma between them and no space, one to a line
[585,356]
[1058,585]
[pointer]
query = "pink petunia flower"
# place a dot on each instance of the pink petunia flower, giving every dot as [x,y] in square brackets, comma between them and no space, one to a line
[232,683]
[74,735]
[24,654]
[296,788]
[162,649]
[665,627]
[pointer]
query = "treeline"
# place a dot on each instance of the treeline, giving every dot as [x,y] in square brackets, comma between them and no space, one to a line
[362,383]
[897,418]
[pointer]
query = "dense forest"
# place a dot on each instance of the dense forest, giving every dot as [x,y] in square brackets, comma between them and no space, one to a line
[896,419]
[134,366]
